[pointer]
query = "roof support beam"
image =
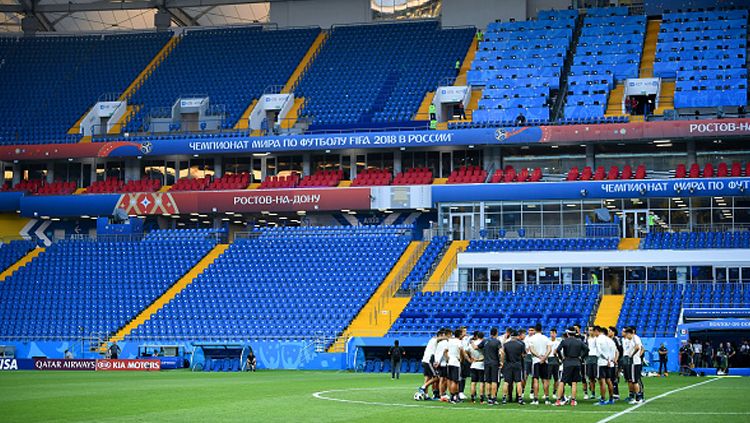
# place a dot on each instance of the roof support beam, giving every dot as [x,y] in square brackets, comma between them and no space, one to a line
[105,5]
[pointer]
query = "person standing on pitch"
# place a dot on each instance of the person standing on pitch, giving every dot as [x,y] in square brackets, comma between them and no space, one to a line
[491,350]
[396,353]
[572,350]
[512,364]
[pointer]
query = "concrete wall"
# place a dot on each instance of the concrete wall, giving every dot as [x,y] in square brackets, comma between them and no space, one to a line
[481,12]
[323,13]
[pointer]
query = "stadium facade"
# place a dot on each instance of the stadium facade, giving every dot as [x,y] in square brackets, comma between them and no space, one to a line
[316,192]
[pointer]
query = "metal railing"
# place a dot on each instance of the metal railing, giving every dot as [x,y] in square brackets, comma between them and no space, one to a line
[444,274]
[596,230]
[396,283]
[716,227]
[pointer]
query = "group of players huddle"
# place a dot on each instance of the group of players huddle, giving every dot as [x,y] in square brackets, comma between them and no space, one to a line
[597,357]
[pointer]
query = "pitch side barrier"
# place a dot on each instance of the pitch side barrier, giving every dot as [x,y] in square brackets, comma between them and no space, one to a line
[80,364]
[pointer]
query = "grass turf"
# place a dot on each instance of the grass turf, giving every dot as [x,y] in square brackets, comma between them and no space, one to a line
[284,396]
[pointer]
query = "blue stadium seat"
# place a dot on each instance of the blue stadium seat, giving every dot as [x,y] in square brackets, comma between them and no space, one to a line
[51,82]
[427,312]
[287,284]
[97,286]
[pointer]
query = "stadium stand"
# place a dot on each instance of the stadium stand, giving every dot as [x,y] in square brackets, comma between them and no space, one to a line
[425,262]
[705,51]
[232,67]
[372,177]
[375,91]
[31,185]
[509,175]
[98,286]
[695,240]
[51,82]
[57,188]
[586,174]
[108,185]
[467,175]
[414,176]
[655,309]
[286,283]
[190,184]
[520,64]
[289,181]
[722,170]
[12,251]
[230,181]
[323,178]
[427,312]
[543,244]
[609,50]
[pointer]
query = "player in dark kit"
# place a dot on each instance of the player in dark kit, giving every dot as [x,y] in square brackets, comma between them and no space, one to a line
[491,349]
[512,356]
[571,350]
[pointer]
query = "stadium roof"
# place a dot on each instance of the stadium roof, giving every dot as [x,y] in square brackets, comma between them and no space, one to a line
[104,15]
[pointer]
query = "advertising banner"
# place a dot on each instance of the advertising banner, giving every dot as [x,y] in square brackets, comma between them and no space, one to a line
[615,132]
[13,364]
[593,189]
[134,365]
[64,365]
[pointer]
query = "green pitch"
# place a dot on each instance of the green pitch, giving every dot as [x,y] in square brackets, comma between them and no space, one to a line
[294,396]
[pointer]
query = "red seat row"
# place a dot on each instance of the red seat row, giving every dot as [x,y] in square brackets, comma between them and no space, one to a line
[187,184]
[280,181]
[142,185]
[106,186]
[467,175]
[230,181]
[602,174]
[57,188]
[708,171]
[509,175]
[414,176]
[323,178]
[372,177]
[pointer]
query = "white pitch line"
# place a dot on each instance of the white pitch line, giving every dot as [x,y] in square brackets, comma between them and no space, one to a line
[631,409]
[528,409]
[531,409]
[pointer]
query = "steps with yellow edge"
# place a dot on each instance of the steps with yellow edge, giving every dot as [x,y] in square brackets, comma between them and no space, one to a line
[135,85]
[445,267]
[649,49]
[629,244]
[666,97]
[466,64]
[315,47]
[382,309]
[149,69]
[117,127]
[344,184]
[31,255]
[160,302]
[609,310]
[440,181]
[614,104]
[242,123]
[291,117]
[423,113]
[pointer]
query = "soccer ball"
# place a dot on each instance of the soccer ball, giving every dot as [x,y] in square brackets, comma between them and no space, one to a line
[418,396]
[461,396]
